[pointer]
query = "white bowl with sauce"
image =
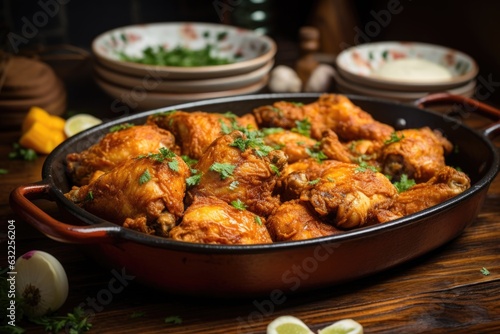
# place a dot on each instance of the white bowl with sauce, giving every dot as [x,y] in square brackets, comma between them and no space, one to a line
[406,66]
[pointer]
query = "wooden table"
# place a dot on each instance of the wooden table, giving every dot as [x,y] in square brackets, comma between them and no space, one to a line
[441,292]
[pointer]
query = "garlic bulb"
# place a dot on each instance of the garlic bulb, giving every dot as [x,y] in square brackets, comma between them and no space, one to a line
[41,283]
[320,79]
[284,79]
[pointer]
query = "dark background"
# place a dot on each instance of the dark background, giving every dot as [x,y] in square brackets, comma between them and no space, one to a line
[469,26]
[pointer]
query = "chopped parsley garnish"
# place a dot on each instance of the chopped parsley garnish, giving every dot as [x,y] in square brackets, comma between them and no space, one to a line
[189,161]
[313,182]
[297,104]
[225,170]
[89,197]
[3,171]
[174,165]
[303,127]
[394,138]
[270,131]
[145,177]
[258,220]
[238,204]
[174,319]
[275,169]
[404,183]
[193,180]
[137,315]
[74,322]
[165,153]
[316,154]
[363,167]
[485,271]
[254,141]
[120,127]
[22,153]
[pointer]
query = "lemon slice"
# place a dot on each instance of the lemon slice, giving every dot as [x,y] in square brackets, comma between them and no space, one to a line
[346,326]
[288,325]
[78,123]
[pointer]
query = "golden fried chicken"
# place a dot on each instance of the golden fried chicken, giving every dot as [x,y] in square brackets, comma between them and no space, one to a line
[210,220]
[418,153]
[299,176]
[144,193]
[195,131]
[445,184]
[329,112]
[115,148]
[295,145]
[348,195]
[331,146]
[239,169]
[296,220]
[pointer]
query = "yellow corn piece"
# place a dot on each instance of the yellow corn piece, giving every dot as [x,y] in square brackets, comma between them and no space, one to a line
[41,138]
[37,114]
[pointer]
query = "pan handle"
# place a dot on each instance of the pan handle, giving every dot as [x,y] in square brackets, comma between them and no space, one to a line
[470,105]
[21,202]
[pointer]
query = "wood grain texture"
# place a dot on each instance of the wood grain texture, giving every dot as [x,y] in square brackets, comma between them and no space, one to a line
[441,292]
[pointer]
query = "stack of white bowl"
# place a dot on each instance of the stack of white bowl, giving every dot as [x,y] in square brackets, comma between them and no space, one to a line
[404,71]
[145,87]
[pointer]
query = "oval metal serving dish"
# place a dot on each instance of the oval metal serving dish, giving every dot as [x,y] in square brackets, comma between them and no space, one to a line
[232,270]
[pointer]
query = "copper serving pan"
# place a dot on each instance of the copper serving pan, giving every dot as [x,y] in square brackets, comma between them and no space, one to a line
[272,269]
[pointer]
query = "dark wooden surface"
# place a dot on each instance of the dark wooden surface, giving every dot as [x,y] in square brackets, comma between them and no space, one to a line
[441,292]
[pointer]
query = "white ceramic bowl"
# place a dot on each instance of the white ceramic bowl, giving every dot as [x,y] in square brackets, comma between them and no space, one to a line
[249,49]
[362,64]
[157,84]
[140,99]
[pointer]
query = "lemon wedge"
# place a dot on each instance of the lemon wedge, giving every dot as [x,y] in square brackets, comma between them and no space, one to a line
[41,283]
[288,325]
[346,326]
[78,123]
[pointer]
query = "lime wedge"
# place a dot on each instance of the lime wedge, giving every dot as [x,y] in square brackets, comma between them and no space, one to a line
[346,326]
[288,325]
[78,123]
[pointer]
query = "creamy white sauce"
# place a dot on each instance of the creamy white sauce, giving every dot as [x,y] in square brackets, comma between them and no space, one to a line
[413,69]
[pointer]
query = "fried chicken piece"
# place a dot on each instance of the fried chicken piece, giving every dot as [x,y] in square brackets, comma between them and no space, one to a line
[348,195]
[295,145]
[418,153]
[296,220]
[195,131]
[445,184]
[330,112]
[210,220]
[331,146]
[300,176]
[236,168]
[115,148]
[145,194]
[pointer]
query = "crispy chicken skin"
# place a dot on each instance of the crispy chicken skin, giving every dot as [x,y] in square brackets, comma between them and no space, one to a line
[295,145]
[348,195]
[210,220]
[445,184]
[330,112]
[418,153]
[296,220]
[115,148]
[232,174]
[195,131]
[144,194]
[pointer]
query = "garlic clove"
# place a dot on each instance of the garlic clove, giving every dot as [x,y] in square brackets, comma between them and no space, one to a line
[41,283]
[284,79]
[321,79]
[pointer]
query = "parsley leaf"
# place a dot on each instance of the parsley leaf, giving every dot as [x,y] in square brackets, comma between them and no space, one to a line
[3,171]
[258,220]
[75,322]
[174,319]
[120,127]
[485,271]
[394,138]
[145,177]
[225,170]
[137,315]
[404,183]
[174,165]
[193,180]
[313,182]
[303,127]
[238,204]
[318,155]
[275,169]
[364,166]
[22,153]
[189,161]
